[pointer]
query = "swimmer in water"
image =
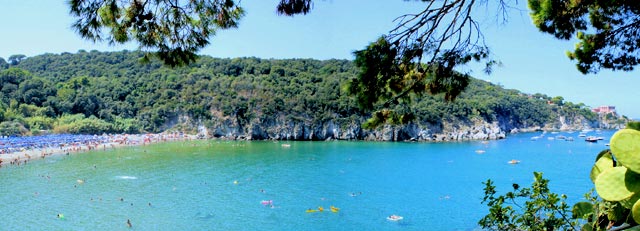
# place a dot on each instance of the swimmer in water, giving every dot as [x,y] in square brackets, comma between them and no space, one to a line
[129,223]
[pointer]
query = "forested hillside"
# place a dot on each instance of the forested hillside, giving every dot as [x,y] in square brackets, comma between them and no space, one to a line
[113,92]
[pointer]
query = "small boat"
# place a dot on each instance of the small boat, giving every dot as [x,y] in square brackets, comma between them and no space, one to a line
[514,161]
[480,151]
[600,138]
[591,139]
[561,137]
[311,210]
[535,138]
[334,209]
[394,218]
[286,145]
[569,138]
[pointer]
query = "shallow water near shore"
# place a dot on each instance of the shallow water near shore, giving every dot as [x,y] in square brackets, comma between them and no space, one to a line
[218,185]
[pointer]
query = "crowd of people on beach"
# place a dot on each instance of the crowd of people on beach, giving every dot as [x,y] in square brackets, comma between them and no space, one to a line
[20,144]
[21,149]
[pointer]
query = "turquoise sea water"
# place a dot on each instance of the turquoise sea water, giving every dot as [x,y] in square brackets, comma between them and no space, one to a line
[216,185]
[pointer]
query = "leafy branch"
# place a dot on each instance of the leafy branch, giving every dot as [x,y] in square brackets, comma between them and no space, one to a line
[542,209]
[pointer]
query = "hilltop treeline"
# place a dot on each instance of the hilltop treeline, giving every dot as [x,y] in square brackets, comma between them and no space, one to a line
[113,92]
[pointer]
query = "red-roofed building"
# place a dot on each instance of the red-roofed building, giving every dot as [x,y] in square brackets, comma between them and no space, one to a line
[604,109]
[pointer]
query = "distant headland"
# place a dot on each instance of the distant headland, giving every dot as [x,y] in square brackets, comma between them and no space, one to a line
[256,99]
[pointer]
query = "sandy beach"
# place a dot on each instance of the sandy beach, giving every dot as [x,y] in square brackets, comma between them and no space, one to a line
[104,142]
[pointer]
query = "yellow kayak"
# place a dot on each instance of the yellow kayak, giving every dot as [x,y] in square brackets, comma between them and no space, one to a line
[334,209]
[311,210]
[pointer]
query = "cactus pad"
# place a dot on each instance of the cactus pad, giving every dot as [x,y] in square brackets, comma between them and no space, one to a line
[616,184]
[635,211]
[604,162]
[625,146]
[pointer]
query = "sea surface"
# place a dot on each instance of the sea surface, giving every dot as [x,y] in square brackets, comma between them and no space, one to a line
[266,185]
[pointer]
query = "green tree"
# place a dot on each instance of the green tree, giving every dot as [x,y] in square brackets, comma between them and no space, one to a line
[12,128]
[176,29]
[540,210]
[16,59]
[11,79]
[2,110]
[3,63]
[558,100]
[35,91]
[607,31]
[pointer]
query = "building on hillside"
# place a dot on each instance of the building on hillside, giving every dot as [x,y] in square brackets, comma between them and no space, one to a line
[604,109]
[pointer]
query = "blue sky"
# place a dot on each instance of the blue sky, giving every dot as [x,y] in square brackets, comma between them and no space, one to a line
[532,62]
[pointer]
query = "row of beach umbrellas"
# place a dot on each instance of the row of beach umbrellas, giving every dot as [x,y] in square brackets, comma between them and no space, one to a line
[12,144]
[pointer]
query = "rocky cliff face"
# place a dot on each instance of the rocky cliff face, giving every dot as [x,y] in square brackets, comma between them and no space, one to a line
[281,128]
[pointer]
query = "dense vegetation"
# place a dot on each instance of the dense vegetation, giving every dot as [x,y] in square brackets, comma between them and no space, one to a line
[95,92]
[419,55]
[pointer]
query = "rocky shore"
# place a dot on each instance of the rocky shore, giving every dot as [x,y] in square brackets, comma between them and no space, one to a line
[476,129]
